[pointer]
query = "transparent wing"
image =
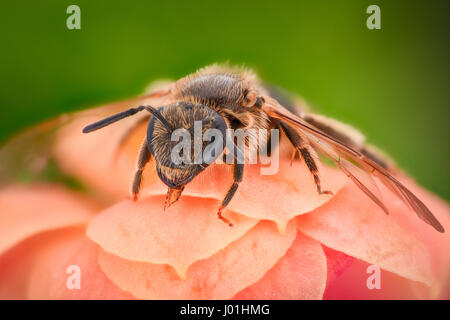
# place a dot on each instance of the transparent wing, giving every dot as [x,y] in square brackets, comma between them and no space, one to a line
[359,176]
[343,156]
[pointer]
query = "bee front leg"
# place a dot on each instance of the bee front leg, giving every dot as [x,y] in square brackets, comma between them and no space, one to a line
[305,151]
[143,158]
[124,138]
[238,174]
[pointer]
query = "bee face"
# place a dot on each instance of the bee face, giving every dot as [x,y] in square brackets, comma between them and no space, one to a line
[178,146]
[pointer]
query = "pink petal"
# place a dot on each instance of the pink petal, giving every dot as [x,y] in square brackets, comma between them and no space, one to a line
[50,274]
[221,276]
[279,198]
[352,285]
[28,210]
[337,263]
[400,243]
[300,274]
[15,265]
[186,232]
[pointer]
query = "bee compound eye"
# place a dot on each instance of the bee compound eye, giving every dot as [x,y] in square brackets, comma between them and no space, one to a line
[188,107]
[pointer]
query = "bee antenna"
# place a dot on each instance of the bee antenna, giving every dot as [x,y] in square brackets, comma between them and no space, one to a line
[158,116]
[119,116]
[109,120]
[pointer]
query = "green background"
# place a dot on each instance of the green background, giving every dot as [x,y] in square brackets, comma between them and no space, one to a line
[390,83]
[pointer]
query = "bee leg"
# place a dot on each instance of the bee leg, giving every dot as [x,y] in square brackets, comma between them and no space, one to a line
[143,159]
[270,145]
[238,173]
[128,134]
[304,149]
[172,196]
[294,153]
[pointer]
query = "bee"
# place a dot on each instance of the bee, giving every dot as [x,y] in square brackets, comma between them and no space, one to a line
[223,98]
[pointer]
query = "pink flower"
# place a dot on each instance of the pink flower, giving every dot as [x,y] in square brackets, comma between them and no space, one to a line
[287,242]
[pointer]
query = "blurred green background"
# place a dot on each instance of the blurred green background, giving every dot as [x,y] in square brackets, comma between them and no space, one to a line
[390,83]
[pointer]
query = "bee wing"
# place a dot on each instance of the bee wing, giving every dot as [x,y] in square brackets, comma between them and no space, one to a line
[26,155]
[340,152]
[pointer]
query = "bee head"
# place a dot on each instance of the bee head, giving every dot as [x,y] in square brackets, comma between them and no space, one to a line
[184,139]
